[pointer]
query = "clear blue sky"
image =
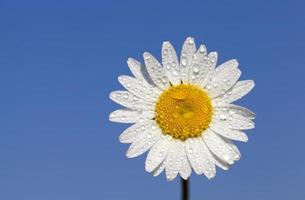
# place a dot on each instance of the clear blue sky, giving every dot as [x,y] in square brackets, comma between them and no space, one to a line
[60,59]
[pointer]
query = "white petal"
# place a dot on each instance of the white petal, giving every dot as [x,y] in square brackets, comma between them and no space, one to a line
[173,160]
[240,89]
[170,63]
[230,64]
[210,171]
[228,118]
[140,88]
[131,101]
[159,169]
[199,67]
[144,141]
[135,68]
[239,122]
[186,58]
[228,133]
[157,153]
[217,146]
[219,163]
[224,78]
[212,61]
[192,148]
[203,67]
[130,134]
[156,71]
[199,157]
[237,154]
[130,116]
[185,169]
[245,112]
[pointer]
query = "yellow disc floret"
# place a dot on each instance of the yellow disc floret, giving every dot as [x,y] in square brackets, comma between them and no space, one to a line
[184,111]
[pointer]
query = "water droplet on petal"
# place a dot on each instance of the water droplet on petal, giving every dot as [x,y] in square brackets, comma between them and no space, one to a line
[191,41]
[190,150]
[183,62]
[222,116]
[201,49]
[196,69]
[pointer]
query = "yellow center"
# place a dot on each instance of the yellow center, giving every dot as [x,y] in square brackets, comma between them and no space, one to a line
[184,111]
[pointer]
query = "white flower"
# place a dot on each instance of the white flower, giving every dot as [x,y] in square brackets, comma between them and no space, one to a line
[183,112]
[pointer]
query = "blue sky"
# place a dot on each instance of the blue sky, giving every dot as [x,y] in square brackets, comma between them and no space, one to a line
[60,59]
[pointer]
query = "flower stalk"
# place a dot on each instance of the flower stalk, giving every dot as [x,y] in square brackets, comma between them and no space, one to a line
[185,189]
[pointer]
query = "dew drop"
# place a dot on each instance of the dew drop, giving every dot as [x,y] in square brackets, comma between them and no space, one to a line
[164,80]
[201,49]
[183,62]
[222,116]
[212,60]
[190,150]
[195,69]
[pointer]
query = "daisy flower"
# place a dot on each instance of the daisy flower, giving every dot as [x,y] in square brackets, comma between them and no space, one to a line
[182,112]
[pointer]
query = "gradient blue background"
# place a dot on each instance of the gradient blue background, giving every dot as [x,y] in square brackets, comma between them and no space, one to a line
[60,59]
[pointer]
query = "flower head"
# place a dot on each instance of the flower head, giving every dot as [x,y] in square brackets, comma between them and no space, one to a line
[182,112]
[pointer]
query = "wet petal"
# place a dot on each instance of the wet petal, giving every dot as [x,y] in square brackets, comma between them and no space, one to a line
[135,68]
[156,71]
[130,116]
[231,108]
[170,63]
[173,160]
[144,141]
[186,58]
[131,101]
[157,154]
[240,89]
[218,147]
[224,78]
[185,169]
[200,157]
[139,88]
[130,134]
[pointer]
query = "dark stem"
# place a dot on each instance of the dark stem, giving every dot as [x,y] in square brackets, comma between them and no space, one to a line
[185,189]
